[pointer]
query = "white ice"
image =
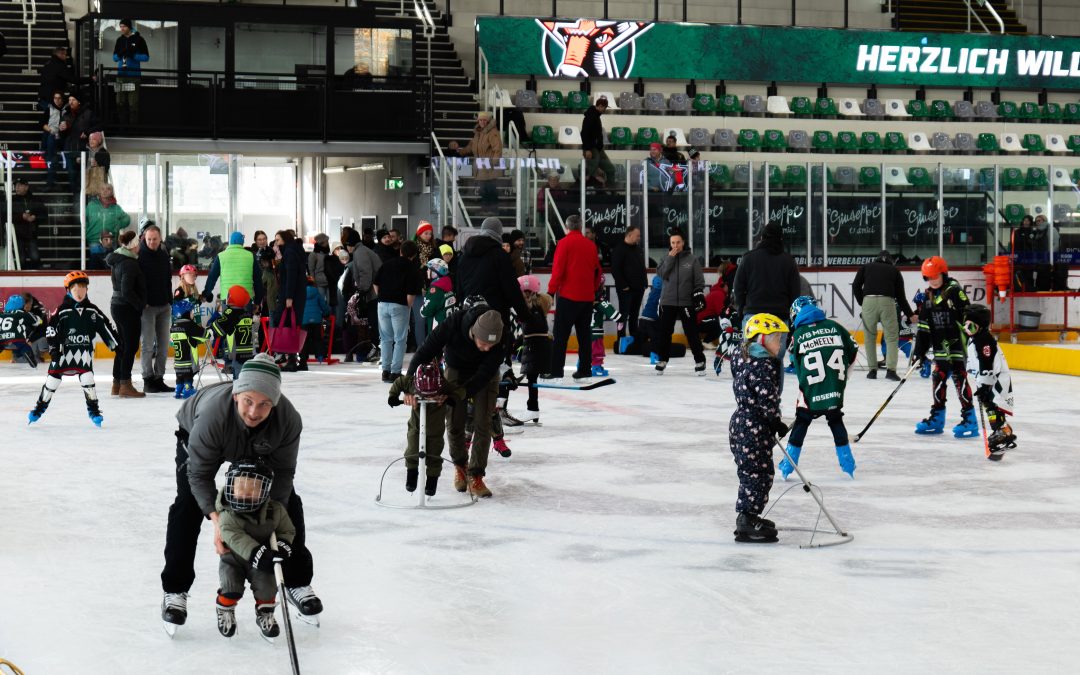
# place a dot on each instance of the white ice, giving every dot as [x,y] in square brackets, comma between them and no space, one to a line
[606,549]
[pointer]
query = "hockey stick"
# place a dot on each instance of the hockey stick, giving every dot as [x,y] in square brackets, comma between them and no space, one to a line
[856,437]
[814,491]
[982,424]
[579,387]
[286,619]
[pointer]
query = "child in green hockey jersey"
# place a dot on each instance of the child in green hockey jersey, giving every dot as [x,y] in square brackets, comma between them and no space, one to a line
[235,327]
[602,311]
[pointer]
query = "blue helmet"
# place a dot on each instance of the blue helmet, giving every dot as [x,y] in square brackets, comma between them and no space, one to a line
[182,308]
[806,315]
[800,302]
[14,303]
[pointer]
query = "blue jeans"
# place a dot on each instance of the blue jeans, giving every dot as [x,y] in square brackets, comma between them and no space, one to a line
[393,333]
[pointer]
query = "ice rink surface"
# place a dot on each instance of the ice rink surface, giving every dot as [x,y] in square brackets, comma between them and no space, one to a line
[606,549]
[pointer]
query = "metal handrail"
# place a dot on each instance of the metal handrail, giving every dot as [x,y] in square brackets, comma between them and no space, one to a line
[29,21]
[549,203]
[482,78]
[990,8]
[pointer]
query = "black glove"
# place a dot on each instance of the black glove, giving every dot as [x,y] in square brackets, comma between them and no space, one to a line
[394,401]
[779,428]
[699,301]
[986,395]
[262,558]
[284,551]
[207,296]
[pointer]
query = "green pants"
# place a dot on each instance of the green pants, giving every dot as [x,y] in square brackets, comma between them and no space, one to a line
[880,309]
[600,160]
[436,427]
[127,102]
[484,405]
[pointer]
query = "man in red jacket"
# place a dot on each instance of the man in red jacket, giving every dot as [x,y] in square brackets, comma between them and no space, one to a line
[575,278]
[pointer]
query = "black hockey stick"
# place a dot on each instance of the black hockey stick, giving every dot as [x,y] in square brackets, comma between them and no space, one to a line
[579,387]
[285,618]
[856,437]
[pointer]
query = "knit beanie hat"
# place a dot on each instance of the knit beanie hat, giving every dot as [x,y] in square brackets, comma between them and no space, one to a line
[446,248]
[236,238]
[488,327]
[238,297]
[491,227]
[260,374]
[423,227]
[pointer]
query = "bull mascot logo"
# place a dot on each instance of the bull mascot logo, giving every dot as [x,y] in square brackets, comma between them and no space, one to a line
[590,48]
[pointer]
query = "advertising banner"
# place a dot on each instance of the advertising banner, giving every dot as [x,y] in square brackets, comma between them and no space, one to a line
[620,50]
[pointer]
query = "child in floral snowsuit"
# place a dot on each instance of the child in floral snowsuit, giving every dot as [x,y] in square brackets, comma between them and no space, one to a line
[756,423]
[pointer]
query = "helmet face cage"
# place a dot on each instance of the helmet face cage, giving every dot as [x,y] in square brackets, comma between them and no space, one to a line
[247,486]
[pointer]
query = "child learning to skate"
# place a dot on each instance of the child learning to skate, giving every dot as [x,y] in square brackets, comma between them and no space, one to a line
[536,342]
[235,327]
[185,335]
[248,518]
[941,317]
[430,385]
[602,311]
[756,423]
[71,334]
[822,351]
[440,294]
[986,364]
[16,327]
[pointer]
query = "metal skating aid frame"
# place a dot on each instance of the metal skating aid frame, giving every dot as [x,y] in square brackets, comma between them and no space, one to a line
[422,502]
[815,492]
[208,360]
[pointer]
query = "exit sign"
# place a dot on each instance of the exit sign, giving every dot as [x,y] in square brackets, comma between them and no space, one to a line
[395,183]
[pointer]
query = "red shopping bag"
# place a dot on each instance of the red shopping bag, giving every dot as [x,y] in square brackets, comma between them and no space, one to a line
[282,339]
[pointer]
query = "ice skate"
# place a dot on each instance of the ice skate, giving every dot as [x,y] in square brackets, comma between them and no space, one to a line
[968,427]
[934,424]
[509,420]
[600,371]
[753,529]
[411,476]
[532,416]
[847,461]
[1001,440]
[501,447]
[431,485]
[178,392]
[308,605]
[264,619]
[188,391]
[226,619]
[173,611]
[37,412]
[660,366]
[699,368]
[459,478]
[583,377]
[785,466]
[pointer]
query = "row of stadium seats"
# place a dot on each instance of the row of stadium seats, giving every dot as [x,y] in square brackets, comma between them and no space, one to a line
[801,106]
[797,140]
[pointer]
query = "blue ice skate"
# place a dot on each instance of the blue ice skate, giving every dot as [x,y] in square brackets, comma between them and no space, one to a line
[847,462]
[34,416]
[96,418]
[968,427]
[599,371]
[785,466]
[653,358]
[188,391]
[935,424]
[924,371]
[625,342]
[179,390]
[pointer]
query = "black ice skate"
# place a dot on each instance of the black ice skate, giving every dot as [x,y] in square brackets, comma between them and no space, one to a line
[226,620]
[173,611]
[411,476]
[430,485]
[264,619]
[752,529]
[307,604]
[1001,440]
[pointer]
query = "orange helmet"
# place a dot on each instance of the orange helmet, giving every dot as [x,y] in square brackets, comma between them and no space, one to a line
[934,266]
[76,277]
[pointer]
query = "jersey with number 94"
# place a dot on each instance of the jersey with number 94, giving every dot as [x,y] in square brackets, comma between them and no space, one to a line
[823,352]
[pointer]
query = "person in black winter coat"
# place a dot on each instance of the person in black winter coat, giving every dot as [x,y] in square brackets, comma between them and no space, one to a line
[126,306]
[485,269]
[76,125]
[592,145]
[292,287]
[28,214]
[628,270]
[879,289]
[156,266]
[56,75]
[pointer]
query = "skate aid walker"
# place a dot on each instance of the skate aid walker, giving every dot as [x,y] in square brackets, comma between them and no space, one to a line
[815,492]
[423,501]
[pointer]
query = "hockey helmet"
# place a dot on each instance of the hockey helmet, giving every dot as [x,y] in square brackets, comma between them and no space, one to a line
[181,308]
[428,381]
[438,266]
[934,266]
[807,315]
[238,297]
[529,283]
[976,318]
[800,302]
[14,303]
[76,277]
[763,324]
[188,269]
[247,485]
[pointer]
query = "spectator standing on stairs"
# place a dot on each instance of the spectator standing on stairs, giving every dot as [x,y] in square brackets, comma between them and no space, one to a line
[129,53]
[597,165]
[56,75]
[486,148]
[76,125]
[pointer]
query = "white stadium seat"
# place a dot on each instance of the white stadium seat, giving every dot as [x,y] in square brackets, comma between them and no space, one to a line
[499,98]
[680,137]
[895,107]
[849,107]
[917,142]
[1010,142]
[569,136]
[896,176]
[1061,178]
[1056,143]
[777,105]
[610,96]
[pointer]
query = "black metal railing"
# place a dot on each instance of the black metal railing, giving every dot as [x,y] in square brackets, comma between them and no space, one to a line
[270,106]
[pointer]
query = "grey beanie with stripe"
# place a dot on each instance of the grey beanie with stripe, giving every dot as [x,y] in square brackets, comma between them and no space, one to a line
[260,374]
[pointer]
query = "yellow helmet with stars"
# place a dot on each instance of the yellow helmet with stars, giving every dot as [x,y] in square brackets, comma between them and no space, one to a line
[763,324]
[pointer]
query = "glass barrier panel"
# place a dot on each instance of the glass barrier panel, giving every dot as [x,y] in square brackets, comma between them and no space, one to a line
[818,198]
[853,221]
[1025,196]
[281,49]
[911,213]
[1063,239]
[208,48]
[266,197]
[969,203]
[728,208]
[161,39]
[788,188]
[360,53]
[198,207]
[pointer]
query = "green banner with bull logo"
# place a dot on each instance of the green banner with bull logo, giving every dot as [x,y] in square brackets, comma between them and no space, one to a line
[622,49]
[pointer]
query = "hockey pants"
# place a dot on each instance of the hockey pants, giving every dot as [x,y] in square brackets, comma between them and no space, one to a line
[940,378]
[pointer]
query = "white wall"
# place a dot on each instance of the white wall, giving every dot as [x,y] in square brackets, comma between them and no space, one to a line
[353,194]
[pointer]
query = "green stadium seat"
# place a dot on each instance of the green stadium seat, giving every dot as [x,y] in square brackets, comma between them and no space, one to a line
[577,101]
[776,176]
[1051,112]
[795,174]
[869,176]
[749,139]
[847,141]
[918,109]
[815,175]
[1073,143]
[543,135]
[823,142]
[870,142]
[1008,110]
[1014,213]
[729,105]
[552,100]
[1033,143]
[704,104]
[825,107]
[920,177]
[987,143]
[1036,179]
[941,110]
[1028,112]
[986,178]
[1070,112]
[646,136]
[895,142]
[621,138]
[801,107]
[719,174]
[1012,179]
[1076,175]
[774,141]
